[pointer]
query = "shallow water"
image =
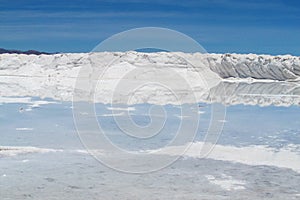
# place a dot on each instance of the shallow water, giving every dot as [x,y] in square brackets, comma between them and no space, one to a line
[257,155]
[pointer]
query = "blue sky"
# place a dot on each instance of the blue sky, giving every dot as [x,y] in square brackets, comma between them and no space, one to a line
[221,26]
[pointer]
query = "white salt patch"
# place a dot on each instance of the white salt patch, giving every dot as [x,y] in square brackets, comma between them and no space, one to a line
[81,151]
[249,155]
[111,115]
[28,109]
[13,151]
[92,151]
[84,113]
[24,129]
[210,177]
[121,109]
[226,182]
[181,116]
[37,104]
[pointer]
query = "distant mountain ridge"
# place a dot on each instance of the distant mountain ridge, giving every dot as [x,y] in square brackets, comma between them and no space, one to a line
[29,52]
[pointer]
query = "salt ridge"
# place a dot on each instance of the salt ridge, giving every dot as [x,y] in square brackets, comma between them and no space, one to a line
[225,78]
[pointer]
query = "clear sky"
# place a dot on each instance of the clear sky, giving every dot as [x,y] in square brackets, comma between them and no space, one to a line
[221,26]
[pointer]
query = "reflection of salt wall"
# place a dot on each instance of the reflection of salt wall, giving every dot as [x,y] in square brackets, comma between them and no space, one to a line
[257,93]
[229,93]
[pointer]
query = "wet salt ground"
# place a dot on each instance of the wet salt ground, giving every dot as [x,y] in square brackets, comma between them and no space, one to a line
[73,174]
[77,176]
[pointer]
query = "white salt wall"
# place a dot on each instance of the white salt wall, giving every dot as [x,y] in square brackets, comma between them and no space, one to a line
[225,78]
[224,65]
[255,66]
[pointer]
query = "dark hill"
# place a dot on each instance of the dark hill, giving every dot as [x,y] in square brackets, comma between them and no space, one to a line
[29,52]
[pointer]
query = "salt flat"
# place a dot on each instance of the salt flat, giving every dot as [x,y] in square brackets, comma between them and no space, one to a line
[44,154]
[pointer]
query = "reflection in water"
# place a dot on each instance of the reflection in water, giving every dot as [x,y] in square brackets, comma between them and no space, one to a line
[229,93]
[257,155]
[257,93]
